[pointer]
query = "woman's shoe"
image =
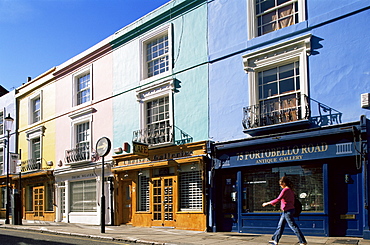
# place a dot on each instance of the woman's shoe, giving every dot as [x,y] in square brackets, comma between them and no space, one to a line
[273,242]
[303,243]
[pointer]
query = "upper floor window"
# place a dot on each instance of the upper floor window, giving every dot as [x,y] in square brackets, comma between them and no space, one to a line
[36,109]
[278,83]
[2,161]
[156,115]
[35,148]
[1,122]
[83,135]
[156,49]
[157,56]
[83,89]
[270,15]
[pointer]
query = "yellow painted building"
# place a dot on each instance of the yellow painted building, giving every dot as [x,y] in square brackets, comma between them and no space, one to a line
[36,144]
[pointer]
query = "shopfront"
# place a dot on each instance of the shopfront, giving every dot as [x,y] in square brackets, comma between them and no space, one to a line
[79,194]
[165,188]
[327,165]
[37,195]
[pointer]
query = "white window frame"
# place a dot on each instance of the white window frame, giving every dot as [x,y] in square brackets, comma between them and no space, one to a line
[75,78]
[143,47]
[31,112]
[156,91]
[281,54]
[79,117]
[252,18]
[32,134]
[2,125]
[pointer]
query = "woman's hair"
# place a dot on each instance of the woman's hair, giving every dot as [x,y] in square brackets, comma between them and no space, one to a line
[286,181]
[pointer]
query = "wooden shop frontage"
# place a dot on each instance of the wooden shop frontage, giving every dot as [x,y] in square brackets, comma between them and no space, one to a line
[162,187]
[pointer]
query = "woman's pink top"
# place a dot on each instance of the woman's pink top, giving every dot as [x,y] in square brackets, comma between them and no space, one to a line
[286,198]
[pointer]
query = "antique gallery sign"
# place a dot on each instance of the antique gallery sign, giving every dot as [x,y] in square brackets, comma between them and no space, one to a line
[286,154]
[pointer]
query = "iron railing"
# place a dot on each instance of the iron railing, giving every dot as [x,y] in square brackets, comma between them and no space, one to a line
[78,154]
[269,114]
[34,164]
[161,136]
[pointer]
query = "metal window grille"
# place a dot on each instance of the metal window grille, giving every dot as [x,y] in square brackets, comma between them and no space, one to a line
[83,196]
[157,56]
[83,89]
[191,191]
[143,194]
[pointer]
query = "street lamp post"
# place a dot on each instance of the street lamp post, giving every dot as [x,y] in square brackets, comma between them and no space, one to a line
[8,127]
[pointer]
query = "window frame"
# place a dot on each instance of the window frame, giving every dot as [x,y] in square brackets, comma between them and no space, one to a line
[252,16]
[76,78]
[143,192]
[284,53]
[32,134]
[83,182]
[2,126]
[31,111]
[152,92]
[143,51]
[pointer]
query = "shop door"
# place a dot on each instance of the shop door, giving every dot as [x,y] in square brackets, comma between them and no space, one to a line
[163,201]
[345,199]
[227,219]
[38,202]
[126,202]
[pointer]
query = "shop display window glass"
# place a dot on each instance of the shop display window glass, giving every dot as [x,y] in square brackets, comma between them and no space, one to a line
[261,185]
[83,196]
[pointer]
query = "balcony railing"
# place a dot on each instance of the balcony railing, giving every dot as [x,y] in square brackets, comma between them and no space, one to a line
[78,154]
[262,115]
[34,164]
[161,136]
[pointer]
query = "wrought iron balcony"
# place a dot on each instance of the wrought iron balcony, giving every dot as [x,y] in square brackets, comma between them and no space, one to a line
[285,111]
[166,135]
[34,164]
[78,154]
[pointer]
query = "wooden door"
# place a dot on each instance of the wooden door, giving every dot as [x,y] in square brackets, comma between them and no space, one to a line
[38,202]
[163,201]
[126,202]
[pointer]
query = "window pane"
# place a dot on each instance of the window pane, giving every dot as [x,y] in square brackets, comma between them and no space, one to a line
[261,185]
[191,191]
[83,89]
[157,56]
[83,196]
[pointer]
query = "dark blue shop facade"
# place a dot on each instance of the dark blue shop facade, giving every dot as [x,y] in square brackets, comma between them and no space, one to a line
[329,168]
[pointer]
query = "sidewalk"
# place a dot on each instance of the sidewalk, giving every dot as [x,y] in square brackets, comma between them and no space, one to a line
[170,236]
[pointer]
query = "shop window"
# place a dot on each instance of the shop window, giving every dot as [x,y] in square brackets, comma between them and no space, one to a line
[261,185]
[191,191]
[143,193]
[29,198]
[49,197]
[270,15]
[278,83]
[83,196]
[3,197]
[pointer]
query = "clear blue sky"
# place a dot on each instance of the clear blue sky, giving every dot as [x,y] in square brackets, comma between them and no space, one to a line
[36,35]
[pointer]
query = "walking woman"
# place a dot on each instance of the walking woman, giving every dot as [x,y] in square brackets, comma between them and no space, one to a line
[286,198]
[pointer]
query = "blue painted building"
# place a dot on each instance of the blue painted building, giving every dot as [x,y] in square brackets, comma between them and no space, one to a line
[288,96]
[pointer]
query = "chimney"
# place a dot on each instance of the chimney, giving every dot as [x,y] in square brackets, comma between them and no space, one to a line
[29,79]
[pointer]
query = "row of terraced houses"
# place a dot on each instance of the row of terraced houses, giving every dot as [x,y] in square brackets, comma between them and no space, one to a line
[206,103]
